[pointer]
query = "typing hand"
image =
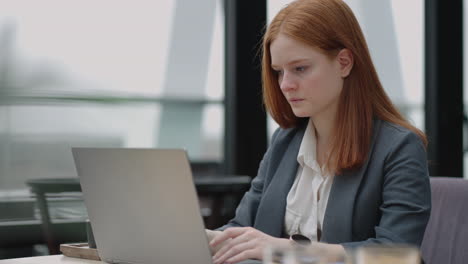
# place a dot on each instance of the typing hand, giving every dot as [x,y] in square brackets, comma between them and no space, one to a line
[242,243]
[211,234]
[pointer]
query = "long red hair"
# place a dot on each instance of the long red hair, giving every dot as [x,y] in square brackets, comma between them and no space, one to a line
[330,26]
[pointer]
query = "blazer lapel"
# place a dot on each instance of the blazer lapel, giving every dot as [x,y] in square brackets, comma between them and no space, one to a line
[271,211]
[338,219]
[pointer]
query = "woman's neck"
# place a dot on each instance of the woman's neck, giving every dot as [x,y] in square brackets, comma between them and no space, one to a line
[324,125]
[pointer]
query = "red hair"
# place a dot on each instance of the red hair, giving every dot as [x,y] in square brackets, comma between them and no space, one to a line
[330,26]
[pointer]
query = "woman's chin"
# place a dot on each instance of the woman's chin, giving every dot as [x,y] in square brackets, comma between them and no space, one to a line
[301,114]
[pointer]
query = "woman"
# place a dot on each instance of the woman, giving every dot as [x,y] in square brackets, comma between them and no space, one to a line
[344,169]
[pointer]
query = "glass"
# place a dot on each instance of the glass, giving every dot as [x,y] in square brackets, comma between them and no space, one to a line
[276,255]
[306,255]
[399,254]
[314,254]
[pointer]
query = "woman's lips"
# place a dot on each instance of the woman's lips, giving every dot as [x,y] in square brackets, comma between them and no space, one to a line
[295,100]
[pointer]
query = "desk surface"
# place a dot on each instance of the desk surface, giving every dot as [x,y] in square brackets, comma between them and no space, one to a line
[55,259]
[59,259]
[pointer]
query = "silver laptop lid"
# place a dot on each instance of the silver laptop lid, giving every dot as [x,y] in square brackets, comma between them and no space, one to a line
[142,205]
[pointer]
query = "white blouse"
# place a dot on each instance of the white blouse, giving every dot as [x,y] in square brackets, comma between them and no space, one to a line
[307,200]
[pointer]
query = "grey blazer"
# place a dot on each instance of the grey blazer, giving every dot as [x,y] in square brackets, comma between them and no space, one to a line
[387,200]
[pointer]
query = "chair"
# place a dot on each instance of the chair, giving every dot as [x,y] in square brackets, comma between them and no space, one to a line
[74,229]
[446,238]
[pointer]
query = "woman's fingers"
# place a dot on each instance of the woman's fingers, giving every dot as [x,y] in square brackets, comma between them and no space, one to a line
[236,251]
[245,243]
[230,244]
[228,233]
[212,234]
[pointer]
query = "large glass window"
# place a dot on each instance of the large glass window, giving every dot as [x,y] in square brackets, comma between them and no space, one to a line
[105,73]
[116,74]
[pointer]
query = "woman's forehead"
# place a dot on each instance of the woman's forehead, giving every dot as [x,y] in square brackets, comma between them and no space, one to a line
[286,50]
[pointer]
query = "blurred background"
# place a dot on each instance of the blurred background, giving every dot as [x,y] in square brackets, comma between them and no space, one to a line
[183,74]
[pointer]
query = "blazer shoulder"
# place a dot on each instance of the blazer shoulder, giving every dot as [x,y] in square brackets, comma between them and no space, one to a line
[394,130]
[391,136]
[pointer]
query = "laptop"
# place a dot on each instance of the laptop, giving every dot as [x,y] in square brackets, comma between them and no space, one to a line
[142,205]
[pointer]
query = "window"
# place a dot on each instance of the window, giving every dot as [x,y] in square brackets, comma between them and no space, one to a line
[107,74]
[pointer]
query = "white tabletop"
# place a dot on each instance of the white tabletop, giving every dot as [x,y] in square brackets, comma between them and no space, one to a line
[59,259]
[55,259]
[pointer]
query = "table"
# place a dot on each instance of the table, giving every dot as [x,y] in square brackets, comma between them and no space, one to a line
[60,259]
[54,259]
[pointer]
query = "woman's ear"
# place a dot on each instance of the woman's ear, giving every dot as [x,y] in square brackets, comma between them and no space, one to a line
[346,62]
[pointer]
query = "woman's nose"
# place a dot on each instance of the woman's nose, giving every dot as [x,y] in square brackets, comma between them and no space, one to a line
[287,83]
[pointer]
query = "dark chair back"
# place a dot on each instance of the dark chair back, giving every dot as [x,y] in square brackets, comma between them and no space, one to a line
[446,237]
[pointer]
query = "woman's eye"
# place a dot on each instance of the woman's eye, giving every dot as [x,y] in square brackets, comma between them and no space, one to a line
[279,72]
[300,69]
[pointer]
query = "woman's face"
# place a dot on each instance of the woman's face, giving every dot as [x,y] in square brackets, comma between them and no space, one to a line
[310,81]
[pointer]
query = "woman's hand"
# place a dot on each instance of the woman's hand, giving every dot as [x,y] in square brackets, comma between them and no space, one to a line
[211,234]
[242,243]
